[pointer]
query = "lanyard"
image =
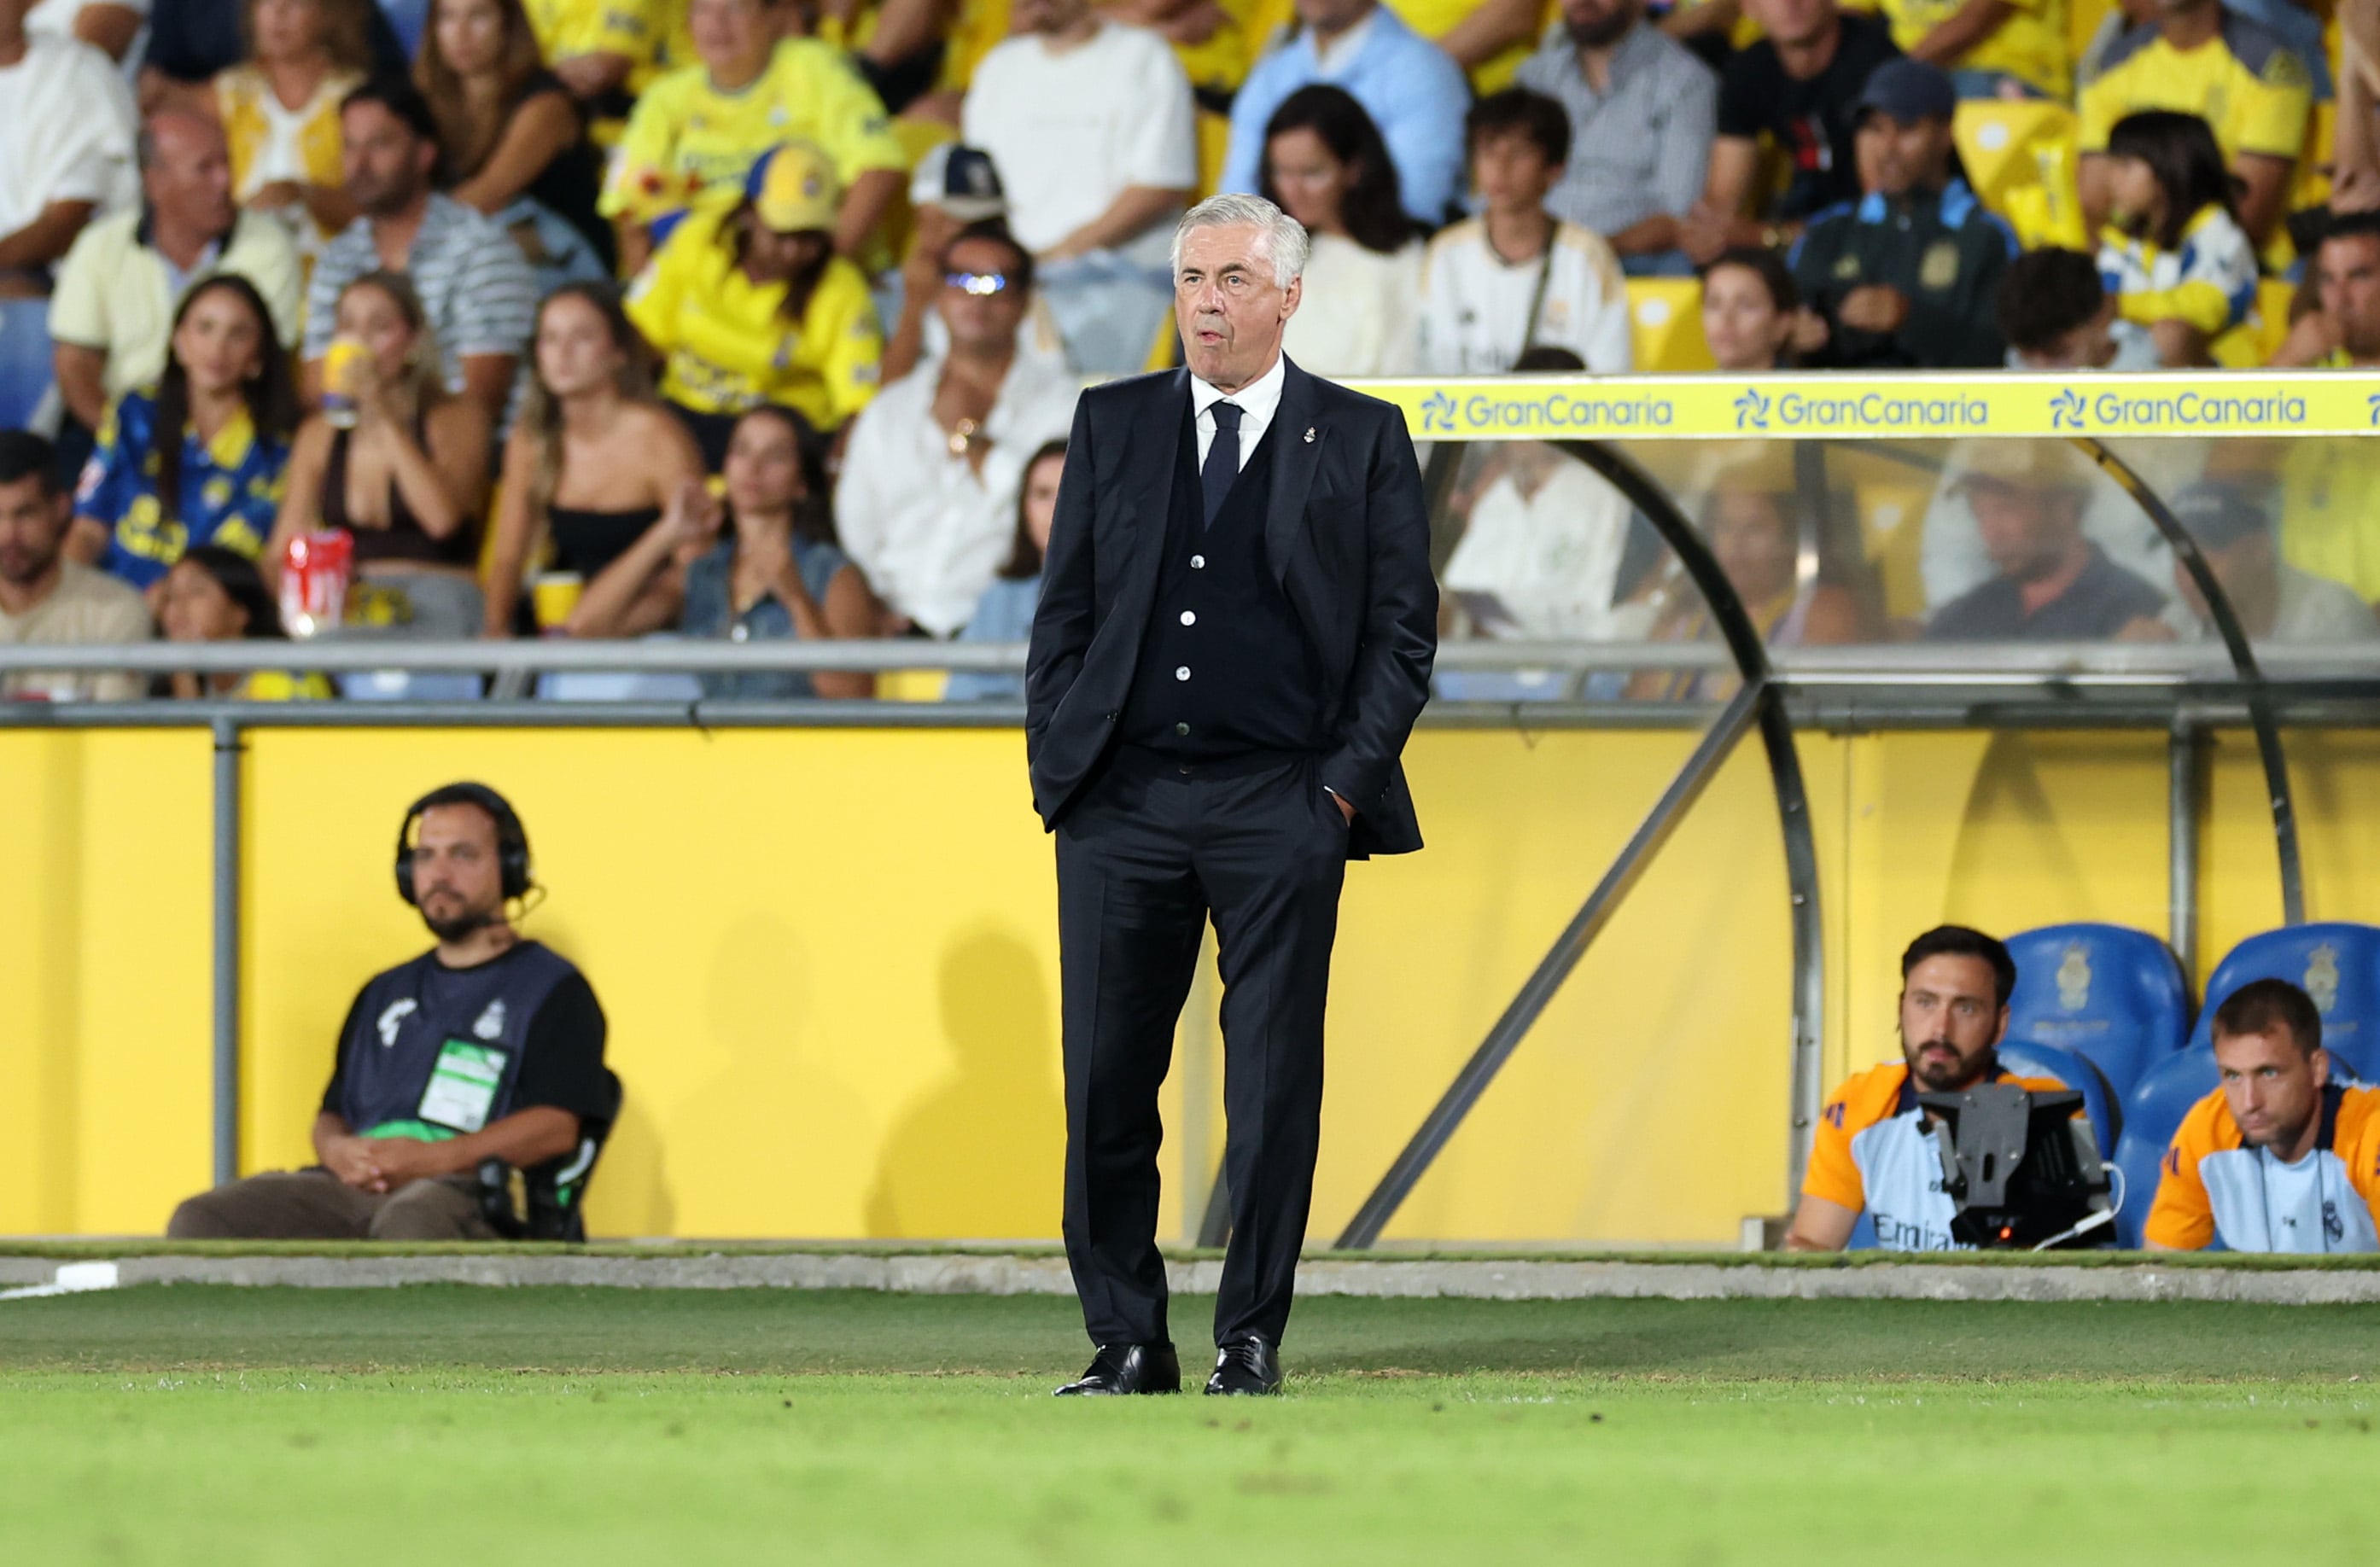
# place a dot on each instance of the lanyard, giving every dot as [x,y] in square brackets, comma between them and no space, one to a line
[1538,295]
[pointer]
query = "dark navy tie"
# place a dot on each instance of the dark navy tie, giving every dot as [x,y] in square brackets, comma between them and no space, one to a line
[1222,464]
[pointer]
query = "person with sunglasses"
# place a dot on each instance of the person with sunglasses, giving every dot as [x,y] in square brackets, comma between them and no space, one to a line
[927,501]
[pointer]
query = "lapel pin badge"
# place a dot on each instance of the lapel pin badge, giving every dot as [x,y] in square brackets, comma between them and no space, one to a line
[1309,436]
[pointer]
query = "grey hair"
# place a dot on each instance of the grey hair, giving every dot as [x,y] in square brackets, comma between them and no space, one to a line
[1284,236]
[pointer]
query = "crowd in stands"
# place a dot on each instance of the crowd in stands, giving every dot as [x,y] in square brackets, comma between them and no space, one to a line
[764,318]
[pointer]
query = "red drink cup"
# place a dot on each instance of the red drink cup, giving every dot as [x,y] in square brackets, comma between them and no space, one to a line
[315,569]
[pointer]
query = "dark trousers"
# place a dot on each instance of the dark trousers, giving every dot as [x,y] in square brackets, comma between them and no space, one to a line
[1145,857]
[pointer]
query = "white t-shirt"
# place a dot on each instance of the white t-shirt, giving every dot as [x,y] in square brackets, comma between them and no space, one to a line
[2309,609]
[1070,132]
[927,529]
[1475,318]
[1542,565]
[65,131]
[1356,315]
[57,19]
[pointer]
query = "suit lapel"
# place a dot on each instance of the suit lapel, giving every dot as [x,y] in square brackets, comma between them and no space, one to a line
[1294,460]
[1149,464]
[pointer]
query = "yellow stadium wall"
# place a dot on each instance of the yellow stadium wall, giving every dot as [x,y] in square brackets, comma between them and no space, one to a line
[828,961]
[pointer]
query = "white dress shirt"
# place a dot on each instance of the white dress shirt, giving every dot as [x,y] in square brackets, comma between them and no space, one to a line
[1258,401]
[928,529]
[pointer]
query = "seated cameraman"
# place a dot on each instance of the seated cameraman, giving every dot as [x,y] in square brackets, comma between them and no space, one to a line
[2279,1158]
[486,1046]
[1875,1149]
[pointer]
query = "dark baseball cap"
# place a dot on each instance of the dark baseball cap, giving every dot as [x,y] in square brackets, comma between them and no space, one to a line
[960,181]
[1909,91]
[2218,515]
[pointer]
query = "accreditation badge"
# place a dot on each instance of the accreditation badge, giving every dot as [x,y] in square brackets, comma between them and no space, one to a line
[463,1085]
[1940,268]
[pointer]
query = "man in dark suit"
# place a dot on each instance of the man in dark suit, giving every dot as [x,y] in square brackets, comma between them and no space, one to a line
[1237,627]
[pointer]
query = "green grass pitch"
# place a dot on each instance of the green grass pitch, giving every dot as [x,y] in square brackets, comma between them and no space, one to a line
[442,1424]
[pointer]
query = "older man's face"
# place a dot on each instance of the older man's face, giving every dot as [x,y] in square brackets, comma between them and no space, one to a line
[1230,309]
[190,175]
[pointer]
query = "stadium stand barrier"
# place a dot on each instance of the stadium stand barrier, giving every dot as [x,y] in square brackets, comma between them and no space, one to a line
[823,929]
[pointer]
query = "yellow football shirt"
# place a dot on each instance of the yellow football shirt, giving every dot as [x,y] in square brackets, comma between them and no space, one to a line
[2243,82]
[2031,46]
[565,28]
[726,347]
[689,145]
[1435,18]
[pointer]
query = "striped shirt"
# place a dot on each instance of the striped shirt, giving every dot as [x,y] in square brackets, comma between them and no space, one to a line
[1640,149]
[475,285]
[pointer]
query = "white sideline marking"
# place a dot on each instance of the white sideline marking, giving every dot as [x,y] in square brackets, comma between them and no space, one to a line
[73,1277]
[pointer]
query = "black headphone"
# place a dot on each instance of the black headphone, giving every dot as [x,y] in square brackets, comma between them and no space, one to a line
[512,838]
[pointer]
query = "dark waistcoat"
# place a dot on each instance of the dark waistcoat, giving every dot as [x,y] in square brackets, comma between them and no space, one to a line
[1225,667]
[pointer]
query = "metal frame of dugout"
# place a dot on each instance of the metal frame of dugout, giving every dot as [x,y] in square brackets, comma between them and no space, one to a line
[2186,691]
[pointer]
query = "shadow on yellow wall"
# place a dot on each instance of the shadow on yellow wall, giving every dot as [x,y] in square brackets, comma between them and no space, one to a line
[1002,1097]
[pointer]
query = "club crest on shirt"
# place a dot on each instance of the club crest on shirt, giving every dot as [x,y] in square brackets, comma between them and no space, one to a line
[1940,267]
[398,1011]
[491,1022]
[2074,977]
[2322,978]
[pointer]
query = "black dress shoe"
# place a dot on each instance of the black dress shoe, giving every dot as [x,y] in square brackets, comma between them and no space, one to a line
[1128,1368]
[1245,1366]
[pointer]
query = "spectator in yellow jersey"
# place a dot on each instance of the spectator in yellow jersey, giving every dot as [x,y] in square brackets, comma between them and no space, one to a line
[752,306]
[1992,48]
[2278,1157]
[1875,1150]
[697,132]
[2343,331]
[280,112]
[595,46]
[2201,59]
[215,595]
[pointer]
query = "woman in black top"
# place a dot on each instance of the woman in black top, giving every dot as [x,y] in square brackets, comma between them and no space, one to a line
[593,459]
[508,129]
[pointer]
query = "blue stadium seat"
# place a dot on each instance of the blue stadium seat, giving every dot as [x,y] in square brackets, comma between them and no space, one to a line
[2337,961]
[1503,686]
[2106,992]
[410,686]
[2152,1116]
[24,361]
[2101,1102]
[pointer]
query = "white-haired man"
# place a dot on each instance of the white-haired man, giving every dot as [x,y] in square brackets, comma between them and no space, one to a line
[1235,633]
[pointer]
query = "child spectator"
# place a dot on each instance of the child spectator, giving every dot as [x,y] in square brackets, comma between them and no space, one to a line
[593,459]
[2057,315]
[198,459]
[1750,309]
[2181,268]
[1515,277]
[752,306]
[764,567]
[214,595]
[1325,165]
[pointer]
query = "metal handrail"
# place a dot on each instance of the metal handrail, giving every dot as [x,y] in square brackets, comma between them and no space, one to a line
[1933,664]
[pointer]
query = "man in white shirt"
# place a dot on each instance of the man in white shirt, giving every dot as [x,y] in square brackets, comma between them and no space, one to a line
[927,501]
[45,597]
[113,310]
[1540,552]
[1091,126]
[66,148]
[1514,278]
[2274,600]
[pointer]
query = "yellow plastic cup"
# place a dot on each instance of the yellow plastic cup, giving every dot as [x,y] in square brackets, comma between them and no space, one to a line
[340,362]
[553,595]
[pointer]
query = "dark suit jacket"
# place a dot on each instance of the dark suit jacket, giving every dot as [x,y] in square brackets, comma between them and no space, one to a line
[1347,532]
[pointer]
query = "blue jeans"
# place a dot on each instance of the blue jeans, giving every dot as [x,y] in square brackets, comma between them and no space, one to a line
[1656,263]
[1107,308]
[1971,85]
